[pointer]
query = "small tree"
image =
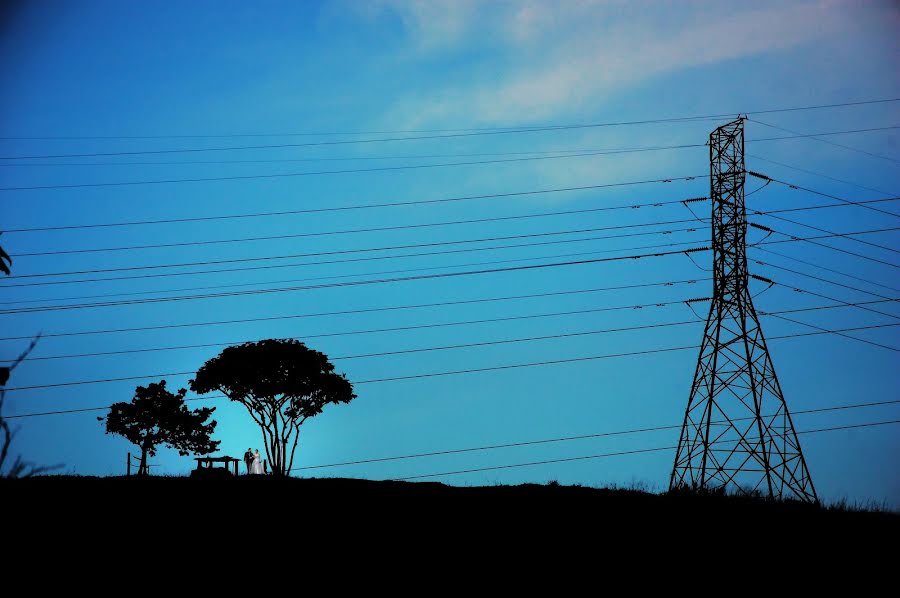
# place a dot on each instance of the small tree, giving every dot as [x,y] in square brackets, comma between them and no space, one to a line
[18,468]
[156,417]
[281,383]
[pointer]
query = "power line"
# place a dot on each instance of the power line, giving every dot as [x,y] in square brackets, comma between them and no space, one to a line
[357,282]
[332,277]
[421,225]
[825,230]
[791,239]
[293,174]
[861,340]
[378,330]
[436,348]
[310,279]
[821,279]
[344,171]
[812,240]
[845,204]
[461,323]
[823,194]
[178,298]
[857,304]
[837,305]
[587,151]
[835,271]
[534,463]
[562,439]
[361,311]
[516,260]
[820,174]
[834,143]
[420,202]
[562,153]
[374,381]
[346,231]
[525,128]
[618,453]
[363,250]
[446,133]
[827,133]
[270,146]
[360,206]
[570,360]
[452,372]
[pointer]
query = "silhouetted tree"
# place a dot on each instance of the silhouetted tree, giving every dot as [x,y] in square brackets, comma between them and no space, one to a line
[19,468]
[156,417]
[5,264]
[282,383]
[5,261]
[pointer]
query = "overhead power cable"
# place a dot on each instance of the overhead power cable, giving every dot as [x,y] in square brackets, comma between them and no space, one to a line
[813,241]
[825,230]
[391,204]
[431,325]
[457,130]
[345,312]
[281,175]
[460,323]
[687,252]
[361,282]
[815,192]
[426,349]
[617,454]
[560,153]
[428,225]
[492,447]
[353,230]
[424,202]
[516,260]
[432,156]
[790,239]
[822,279]
[839,333]
[862,305]
[360,249]
[828,141]
[452,372]
[828,269]
[820,174]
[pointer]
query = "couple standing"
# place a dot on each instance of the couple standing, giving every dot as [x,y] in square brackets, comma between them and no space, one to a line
[254,465]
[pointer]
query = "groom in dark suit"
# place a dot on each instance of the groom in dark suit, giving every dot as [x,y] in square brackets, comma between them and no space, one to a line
[248,459]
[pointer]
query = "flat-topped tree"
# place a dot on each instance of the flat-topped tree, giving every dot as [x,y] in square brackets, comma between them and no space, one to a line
[156,417]
[281,383]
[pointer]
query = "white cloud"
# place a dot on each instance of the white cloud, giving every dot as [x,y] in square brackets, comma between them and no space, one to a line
[557,58]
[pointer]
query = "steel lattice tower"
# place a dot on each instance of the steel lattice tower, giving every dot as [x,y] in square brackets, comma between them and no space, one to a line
[737,433]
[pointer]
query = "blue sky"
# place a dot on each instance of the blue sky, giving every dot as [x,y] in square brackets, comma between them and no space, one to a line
[119,69]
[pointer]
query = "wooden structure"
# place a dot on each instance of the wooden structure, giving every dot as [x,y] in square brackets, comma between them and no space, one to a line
[206,463]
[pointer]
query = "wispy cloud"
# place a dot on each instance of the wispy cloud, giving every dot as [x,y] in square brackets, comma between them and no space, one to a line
[552,59]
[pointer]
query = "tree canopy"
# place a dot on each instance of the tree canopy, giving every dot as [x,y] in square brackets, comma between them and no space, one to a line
[281,383]
[156,417]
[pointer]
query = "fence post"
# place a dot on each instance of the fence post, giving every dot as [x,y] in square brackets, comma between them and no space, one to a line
[128,466]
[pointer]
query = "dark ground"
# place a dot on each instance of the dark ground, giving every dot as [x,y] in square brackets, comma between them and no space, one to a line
[405,504]
[427,531]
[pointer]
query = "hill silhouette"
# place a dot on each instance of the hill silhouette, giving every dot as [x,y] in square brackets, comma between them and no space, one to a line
[304,503]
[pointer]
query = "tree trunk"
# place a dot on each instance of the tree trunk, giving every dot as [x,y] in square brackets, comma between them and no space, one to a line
[143,469]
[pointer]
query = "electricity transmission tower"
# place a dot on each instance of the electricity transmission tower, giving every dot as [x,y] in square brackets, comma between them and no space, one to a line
[737,433]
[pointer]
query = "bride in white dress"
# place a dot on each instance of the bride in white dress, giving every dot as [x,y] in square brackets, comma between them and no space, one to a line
[256,465]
